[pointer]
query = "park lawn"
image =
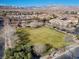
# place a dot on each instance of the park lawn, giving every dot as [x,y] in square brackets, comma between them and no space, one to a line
[45,35]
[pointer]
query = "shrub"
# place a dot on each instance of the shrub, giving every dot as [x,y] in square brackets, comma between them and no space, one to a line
[21,49]
[77,37]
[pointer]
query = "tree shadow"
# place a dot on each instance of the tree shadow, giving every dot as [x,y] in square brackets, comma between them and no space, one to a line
[76,30]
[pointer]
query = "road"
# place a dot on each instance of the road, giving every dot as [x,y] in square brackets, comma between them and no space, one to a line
[6,35]
[72,53]
[2,41]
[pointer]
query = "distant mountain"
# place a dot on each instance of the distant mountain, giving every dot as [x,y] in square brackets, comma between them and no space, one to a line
[40,8]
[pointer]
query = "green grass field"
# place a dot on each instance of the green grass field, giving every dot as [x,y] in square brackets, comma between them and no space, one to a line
[45,35]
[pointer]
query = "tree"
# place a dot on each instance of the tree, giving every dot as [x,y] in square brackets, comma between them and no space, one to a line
[73,12]
[77,37]
[21,49]
[54,16]
[4,13]
[66,12]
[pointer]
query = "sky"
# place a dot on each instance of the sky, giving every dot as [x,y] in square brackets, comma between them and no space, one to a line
[25,3]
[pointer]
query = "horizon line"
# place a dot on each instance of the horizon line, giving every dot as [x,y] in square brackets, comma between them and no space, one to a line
[40,5]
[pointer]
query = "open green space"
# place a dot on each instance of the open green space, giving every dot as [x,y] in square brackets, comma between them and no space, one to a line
[45,35]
